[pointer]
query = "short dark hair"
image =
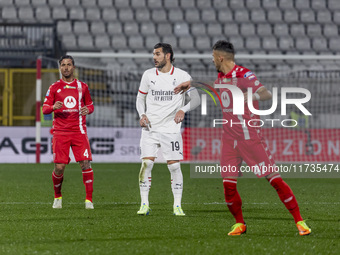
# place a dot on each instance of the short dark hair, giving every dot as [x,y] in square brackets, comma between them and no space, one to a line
[167,48]
[223,45]
[66,57]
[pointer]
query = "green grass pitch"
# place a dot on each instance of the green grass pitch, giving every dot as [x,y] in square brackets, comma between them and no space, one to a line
[29,225]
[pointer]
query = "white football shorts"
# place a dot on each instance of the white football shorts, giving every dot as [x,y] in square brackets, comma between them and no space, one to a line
[171,145]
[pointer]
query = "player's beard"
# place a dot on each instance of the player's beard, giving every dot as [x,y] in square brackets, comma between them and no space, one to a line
[67,76]
[161,64]
[217,68]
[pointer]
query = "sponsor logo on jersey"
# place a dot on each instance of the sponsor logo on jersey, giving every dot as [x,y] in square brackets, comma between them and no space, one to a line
[247,74]
[257,83]
[226,80]
[71,110]
[251,77]
[162,92]
[174,82]
[162,95]
[69,87]
[228,110]
[70,102]
[48,93]
[153,82]
[225,99]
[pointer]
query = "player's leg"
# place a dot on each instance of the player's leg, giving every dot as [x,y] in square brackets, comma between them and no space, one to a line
[287,197]
[82,154]
[172,149]
[61,149]
[87,172]
[57,178]
[145,179]
[256,153]
[149,147]
[230,165]
[174,167]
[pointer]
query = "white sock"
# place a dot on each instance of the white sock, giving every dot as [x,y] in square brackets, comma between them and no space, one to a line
[145,180]
[176,183]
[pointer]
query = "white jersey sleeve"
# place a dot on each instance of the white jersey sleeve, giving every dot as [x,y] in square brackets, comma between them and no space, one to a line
[144,84]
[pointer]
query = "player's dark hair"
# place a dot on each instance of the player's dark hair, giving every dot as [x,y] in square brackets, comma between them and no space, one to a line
[166,48]
[66,57]
[224,46]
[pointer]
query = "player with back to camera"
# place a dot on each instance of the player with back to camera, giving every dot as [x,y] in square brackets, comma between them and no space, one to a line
[70,100]
[245,142]
[161,113]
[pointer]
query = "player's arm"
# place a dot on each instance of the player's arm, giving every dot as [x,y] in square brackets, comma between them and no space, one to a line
[141,102]
[193,99]
[49,105]
[140,105]
[89,107]
[262,94]
[185,86]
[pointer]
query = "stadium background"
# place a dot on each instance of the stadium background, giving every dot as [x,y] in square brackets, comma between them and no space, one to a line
[285,42]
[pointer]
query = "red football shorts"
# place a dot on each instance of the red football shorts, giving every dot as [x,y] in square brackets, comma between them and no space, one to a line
[254,152]
[79,143]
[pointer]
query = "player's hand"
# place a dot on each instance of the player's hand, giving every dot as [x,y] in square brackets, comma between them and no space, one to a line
[246,97]
[179,116]
[144,121]
[57,105]
[183,87]
[84,110]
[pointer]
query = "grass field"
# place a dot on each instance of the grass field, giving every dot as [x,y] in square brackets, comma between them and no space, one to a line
[29,225]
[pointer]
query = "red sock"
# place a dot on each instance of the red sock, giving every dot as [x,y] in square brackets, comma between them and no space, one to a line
[88,182]
[233,199]
[286,196]
[57,181]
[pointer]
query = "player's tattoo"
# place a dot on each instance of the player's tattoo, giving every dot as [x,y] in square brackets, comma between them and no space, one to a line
[85,164]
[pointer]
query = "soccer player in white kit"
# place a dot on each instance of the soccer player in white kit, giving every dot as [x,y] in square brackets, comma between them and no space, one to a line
[161,112]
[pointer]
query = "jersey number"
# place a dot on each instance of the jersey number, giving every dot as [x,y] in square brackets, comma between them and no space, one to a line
[259,169]
[86,153]
[175,146]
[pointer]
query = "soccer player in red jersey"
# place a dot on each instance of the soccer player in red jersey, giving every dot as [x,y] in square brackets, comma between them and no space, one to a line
[70,101]
[241,141]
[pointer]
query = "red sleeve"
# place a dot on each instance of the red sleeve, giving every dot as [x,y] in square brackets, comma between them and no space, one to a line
[249,80]
[88,100]
[48,102]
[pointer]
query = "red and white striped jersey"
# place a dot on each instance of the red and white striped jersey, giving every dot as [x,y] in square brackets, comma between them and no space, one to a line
[73,95]
[238,127]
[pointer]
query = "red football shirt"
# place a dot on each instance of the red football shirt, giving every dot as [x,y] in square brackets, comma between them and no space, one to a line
[243,78]
[73,95]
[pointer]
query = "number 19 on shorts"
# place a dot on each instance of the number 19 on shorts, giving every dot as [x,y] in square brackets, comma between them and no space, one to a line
[175,146]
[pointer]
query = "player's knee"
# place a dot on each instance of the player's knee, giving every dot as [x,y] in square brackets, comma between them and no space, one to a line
[85,164]
[59,169]
[147,165]
[174,167]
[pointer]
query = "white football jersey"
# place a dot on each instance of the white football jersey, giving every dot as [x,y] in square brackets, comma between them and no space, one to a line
[162,103]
